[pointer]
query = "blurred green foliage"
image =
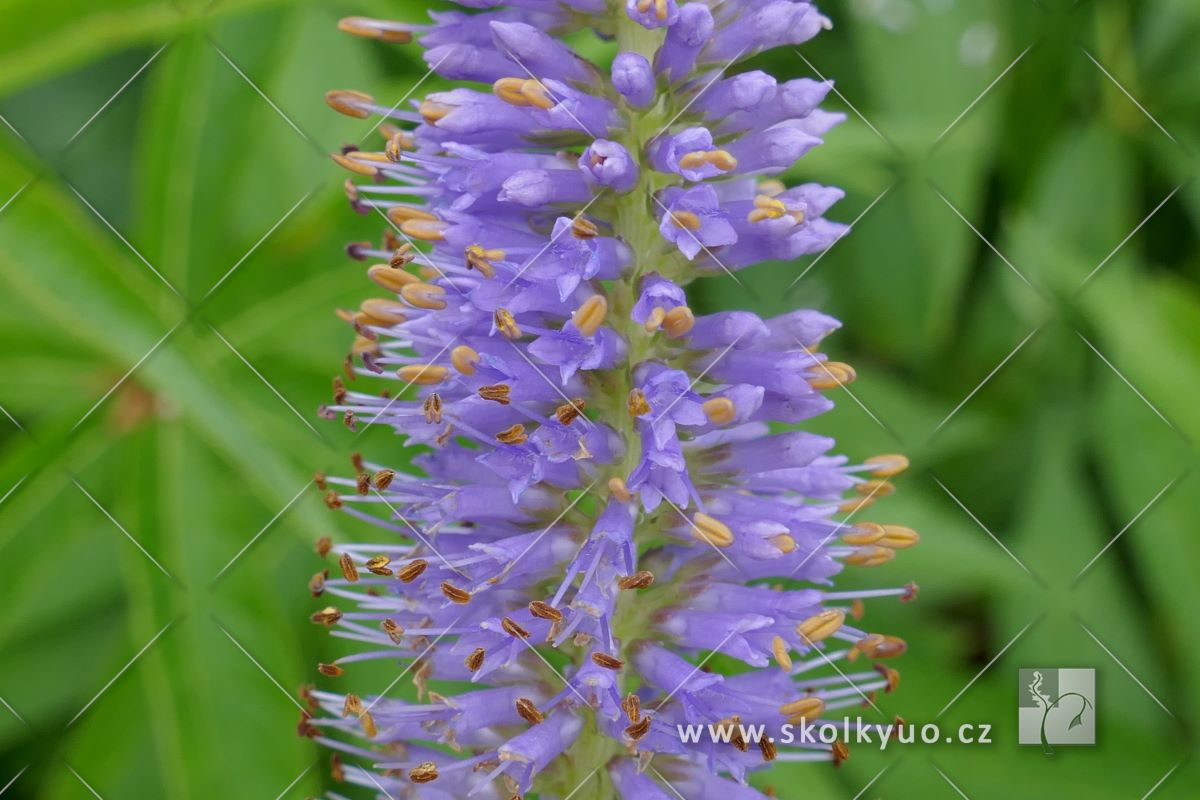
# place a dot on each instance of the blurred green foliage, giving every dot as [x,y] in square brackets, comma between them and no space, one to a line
[182,242]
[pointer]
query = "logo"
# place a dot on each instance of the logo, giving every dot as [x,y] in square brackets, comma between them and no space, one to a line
[1056,707]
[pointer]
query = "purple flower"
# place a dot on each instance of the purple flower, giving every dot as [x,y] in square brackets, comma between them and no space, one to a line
[598,493]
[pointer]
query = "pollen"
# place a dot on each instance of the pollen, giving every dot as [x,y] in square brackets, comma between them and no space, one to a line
[569,412]
[424,229]
[497,393]
[618,489]
[638,580]
[543,610]
[606,661]
[422,374]
[805,708]
[783,658]
[350,102]
[357,167]
[374,29]
[887,466]
[349,571]
[514,434]
[423,772]
[720,410]
[686,220]
[679,321]
[638,405]
[412,570]
[455,594]
[507,324]
[464,359]
[832,374]
[424,295]
[822,625]
[590,316]
[710,530]
[529,712]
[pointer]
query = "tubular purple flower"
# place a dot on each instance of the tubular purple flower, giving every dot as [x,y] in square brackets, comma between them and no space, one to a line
[599,492]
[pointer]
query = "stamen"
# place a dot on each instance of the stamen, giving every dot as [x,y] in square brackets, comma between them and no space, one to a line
[784,542]
[474,661]
[348,569]
[509,90]
[464,359]
[618,489]
[510,626]
[887,466]
[422,374]
[720,410]
[864,533]
[779,649]
[638,580]
[606,661]
[368,724]
[324,543]
[582,228]
[332,500]
[412,570]
[497,393]
[373,29]
[590,316]
[856,504]
[911,590]
[537,95]
[767,748]
[513,435]
[631,704]
[821,626]
[870,556]
[397,143]
[330,670]
[876,645]
[638,405]
[424,772]
[393,630]
[833,374]
[432,111]
[543,610]
[399,214]
[803,709]
[679,321]
[890,675]
[483,260]
[455,594]
[507,324]
[363,482]
[529,711]
[383,478]
[350,102]
[316,584]
[382,313]
[655,319]
[424,230]
[403,255]
[327,616]
[710,530]
[424,295]
[661,10]
[685,219]
[378,565]
[638,729]
[569,412]
[357,167]
[352,705]
[898,537]
[841,753]
[771,187]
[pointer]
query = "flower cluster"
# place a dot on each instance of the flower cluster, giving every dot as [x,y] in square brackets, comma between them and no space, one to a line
[608,489]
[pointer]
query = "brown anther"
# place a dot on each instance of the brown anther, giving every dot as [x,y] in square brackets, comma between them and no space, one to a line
[514,434]
[841,753]
[339,390]
[483,260]
[357,167]
[638,405]
[402,255]
[890,675]
[678,322]
[507,324]
[821,625]
[474,661]
[455,594]
[898,537]
[911,590]
[432,407]
[393,629]
[720,410]
[332,500]
[582,228]
[323,545]
[779,649]
[348,569]
[864,533]
[424,295]
[412,570]
[391,278]
[319,480]
[330,670]
[496,392]
[529,712]
[831,375]
[545,611]
[444,436]
[878,646]
[805,708]
[378,565]
[639,728]
[638,580]
[510,626]
[464,359]
[350,102]
[569,412]
[618,489]
[351,422]
[424,772]
[887,466]
[352,705]
[631,704]
[857,609]
[685,219]
[422,374]
[590,316]
[383,478]
[316,584]
[336,771]
[871,556]
[767,748]
[327,616]
[424,229]
[362,346]
[396,144]
[374,29]
[710,530]
[605,660]
[362,484]
[305,728]
[368,724]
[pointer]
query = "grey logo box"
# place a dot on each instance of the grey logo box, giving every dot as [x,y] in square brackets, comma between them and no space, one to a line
[1056,706]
